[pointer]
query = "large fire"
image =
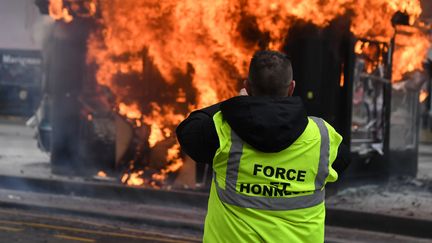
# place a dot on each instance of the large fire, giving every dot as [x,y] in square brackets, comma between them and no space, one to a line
[411,48]
[208,46]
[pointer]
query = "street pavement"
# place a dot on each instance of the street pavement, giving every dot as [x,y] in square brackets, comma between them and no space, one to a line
[32,224]
[24,226]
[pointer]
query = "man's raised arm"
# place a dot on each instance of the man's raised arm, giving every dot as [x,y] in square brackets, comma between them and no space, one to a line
[197,135]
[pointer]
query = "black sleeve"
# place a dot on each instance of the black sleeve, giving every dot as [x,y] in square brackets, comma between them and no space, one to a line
[342,160]
[197,135]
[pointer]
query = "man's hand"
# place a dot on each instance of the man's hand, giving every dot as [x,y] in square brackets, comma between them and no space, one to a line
[243,92]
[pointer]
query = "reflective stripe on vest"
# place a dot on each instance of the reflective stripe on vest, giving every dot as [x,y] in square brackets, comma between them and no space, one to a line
[230,196]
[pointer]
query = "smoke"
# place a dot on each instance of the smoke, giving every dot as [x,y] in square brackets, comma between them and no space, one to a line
[21,25]
[41,30]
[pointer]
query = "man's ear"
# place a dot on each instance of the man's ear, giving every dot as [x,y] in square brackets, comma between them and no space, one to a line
[291,88]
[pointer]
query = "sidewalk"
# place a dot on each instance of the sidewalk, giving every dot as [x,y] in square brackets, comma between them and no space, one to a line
[401,204]
[19,154]
[425,162]
[407,197]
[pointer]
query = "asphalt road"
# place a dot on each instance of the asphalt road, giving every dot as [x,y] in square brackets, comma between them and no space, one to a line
[26,226]
[17,225]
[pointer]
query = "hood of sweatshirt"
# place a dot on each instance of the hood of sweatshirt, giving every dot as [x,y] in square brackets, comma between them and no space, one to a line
[269,124]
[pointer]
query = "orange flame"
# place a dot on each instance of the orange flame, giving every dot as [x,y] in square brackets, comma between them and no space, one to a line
[206,36]
[101,174]
[372,17]
[130,111]
[372,53]
[411,48]
[423,95]
[342,77]
[160,119]
[133,179]
[136,178]
[58,12]
[172,155]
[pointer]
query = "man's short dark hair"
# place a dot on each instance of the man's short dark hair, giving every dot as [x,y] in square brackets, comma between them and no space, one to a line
[270,73]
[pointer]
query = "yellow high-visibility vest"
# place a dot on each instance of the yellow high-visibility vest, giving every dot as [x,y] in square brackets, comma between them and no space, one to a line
[270,197]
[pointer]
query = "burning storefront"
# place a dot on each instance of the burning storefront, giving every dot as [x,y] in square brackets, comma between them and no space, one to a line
[123,74]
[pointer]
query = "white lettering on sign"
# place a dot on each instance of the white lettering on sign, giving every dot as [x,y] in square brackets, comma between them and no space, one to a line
[8,59]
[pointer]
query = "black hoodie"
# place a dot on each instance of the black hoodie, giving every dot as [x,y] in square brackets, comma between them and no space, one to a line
[269,124]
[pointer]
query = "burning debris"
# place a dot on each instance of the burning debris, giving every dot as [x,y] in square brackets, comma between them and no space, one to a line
[68,10]
[162,59]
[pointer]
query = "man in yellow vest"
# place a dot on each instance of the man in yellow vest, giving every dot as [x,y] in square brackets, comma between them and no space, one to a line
[270,161]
